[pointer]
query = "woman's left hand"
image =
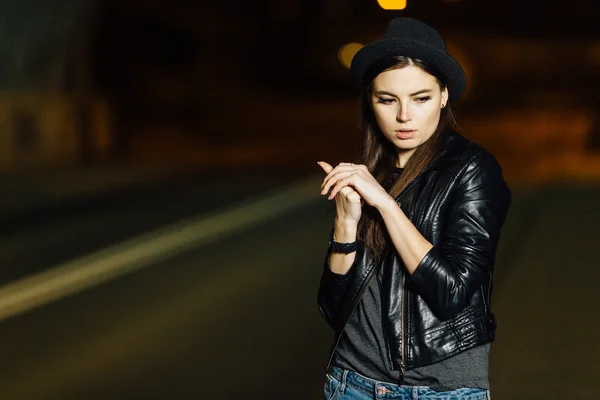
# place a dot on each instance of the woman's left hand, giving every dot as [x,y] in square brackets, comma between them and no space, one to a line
[356,176]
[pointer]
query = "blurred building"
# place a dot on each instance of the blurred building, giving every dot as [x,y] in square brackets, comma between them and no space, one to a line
[85,80]
[49,111]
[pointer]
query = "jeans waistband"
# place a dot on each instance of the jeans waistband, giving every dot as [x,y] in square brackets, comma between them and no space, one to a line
[377,389]
[386,390]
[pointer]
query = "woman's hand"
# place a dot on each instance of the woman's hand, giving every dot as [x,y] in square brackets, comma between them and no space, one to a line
[358,179]
[348,203]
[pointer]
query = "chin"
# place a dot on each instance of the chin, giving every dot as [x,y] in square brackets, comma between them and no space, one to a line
[406,144]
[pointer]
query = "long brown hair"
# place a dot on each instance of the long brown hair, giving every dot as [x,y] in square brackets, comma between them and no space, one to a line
[379,155]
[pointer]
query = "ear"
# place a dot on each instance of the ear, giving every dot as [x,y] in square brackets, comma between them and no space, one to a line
[444,97]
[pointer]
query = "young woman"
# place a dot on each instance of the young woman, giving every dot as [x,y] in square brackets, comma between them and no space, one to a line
[408,275]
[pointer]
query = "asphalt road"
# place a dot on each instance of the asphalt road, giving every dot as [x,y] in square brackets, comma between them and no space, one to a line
[238,318]
[59,232]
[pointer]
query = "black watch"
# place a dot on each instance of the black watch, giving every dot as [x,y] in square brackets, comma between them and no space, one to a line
[343,248]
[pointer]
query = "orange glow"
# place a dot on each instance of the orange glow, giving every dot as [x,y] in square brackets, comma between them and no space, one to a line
[347,52]
[392,4]
[594,54]
[463,59]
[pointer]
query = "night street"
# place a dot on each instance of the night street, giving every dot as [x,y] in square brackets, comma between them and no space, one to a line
[161,230]
[238,318]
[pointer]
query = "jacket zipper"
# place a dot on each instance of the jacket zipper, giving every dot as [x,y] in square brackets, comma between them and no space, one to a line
[337,342]
[402,335]
[402,300]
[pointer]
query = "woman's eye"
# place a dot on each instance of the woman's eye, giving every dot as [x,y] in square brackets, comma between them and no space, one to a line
[384,101]
[423,99]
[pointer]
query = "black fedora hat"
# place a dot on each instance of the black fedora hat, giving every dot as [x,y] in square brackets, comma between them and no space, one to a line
[412,38]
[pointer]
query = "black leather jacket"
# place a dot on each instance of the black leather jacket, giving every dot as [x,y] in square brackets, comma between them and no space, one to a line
[459,204]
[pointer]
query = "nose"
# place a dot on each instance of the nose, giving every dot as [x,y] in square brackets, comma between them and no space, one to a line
[404,113]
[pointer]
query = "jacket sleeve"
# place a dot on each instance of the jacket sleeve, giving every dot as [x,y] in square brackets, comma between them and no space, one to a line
[455,268]
[332,290]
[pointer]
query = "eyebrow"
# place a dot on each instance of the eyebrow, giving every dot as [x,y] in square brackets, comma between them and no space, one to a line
[380,92]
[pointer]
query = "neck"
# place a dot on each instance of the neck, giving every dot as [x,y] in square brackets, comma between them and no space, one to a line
[403,157]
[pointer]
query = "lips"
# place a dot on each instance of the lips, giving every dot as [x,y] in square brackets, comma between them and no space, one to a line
[405,133]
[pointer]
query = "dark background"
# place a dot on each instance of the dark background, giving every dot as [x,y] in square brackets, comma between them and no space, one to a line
[120,117]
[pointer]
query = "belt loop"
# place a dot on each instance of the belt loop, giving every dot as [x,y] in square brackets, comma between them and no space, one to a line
[343,382]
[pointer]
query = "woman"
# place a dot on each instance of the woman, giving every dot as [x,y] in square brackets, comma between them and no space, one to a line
[408,275]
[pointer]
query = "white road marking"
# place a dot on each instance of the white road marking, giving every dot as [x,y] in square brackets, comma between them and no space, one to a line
[142,251]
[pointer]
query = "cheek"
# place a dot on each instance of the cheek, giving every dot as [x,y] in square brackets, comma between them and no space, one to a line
[431,117]
[384,116]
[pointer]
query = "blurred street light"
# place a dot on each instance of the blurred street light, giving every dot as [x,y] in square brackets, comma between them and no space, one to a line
[347,52]
[392,4]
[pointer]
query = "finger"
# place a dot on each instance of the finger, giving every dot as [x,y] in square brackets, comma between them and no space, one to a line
[328,182]
[339,168]
[326,167]
[346,191]
[342,171]
[355,198]
[351,194]
[340,184]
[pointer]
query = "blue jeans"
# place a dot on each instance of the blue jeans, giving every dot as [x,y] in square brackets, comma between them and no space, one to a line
[341,384]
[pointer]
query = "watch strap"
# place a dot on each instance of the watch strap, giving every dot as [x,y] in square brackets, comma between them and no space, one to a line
[343,248]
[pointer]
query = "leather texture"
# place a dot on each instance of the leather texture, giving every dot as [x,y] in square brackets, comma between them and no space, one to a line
[459,204]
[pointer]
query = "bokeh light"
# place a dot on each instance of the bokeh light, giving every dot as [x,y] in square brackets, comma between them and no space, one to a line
[347,52]
[392,4]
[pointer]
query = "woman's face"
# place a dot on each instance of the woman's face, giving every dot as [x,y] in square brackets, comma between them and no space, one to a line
[407,103]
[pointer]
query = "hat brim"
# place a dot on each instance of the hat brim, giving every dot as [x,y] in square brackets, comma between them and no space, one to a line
[450,69]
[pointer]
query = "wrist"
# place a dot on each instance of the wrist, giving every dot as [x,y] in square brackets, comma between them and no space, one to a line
[388,205]
[345,231]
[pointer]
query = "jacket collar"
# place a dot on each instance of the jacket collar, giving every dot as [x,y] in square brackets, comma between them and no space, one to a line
[451,152]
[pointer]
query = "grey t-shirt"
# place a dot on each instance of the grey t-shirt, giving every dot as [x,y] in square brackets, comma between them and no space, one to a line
[362,349]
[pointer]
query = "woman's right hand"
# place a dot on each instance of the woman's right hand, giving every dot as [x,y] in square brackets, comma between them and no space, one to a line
[348,202]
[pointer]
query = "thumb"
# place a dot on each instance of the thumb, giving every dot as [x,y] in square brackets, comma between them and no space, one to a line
[326,167]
